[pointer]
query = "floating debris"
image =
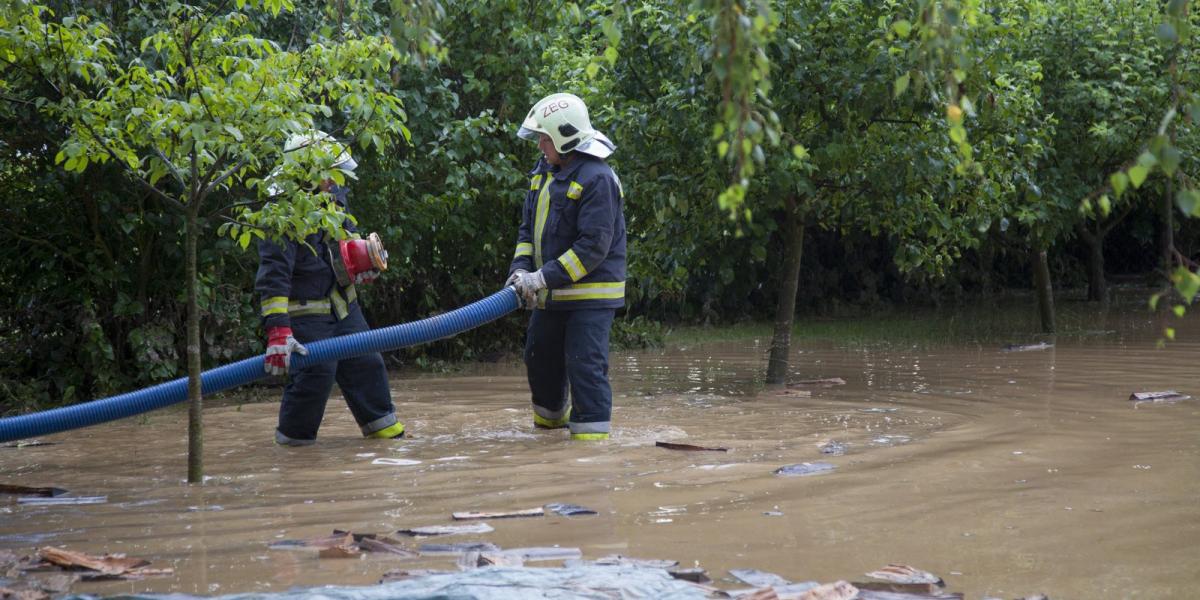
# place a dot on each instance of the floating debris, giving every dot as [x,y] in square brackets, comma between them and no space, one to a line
[456,549]
[1166,396]
[913,591]
[528,512]
[402,574]
[349,551]
[624,561]
[688,447]
[839,590]
[568,510]
[339,538]
[385,546]
[68,500]
[758,578]
[905,574]
[694,575]
[875,409]
[805,469]
[1027,347]
[108,566]
[396,462]
[27,444]
[472,560]
[827,382]
[833,448]
[49,492]
[773,513]
[435,530]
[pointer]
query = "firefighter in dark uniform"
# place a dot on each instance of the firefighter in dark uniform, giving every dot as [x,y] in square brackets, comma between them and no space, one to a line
[569,268]
[303,301]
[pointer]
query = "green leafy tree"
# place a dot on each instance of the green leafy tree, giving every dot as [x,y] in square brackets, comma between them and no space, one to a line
[198,119]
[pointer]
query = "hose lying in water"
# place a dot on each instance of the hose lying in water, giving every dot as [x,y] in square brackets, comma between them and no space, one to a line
[251,369]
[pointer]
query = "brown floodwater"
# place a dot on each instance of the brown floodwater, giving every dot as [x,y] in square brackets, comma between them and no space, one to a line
[1007,473]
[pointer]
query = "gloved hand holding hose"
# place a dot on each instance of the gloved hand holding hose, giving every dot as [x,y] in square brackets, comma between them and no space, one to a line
[528,285]
[280,345]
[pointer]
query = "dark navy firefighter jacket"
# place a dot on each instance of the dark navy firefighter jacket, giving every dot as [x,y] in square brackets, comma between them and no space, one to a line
[293,281]
[573,229]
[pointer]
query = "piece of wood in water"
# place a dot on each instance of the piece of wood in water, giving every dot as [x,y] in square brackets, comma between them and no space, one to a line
[329,541]
[838,590]
[534,554]
[696,575]
[1027,347]
[688,447]
[805,469]
[456,549]
[61,500]
[108,564]
[27,444]
[758,578]
[435,530]
[625,561]
[339,552]
[499,559]
[905,574]
[385,546]
[568,510]
[402,574]
[1164,396]
[827,382]
[916,589]
[48,492]
[527,512]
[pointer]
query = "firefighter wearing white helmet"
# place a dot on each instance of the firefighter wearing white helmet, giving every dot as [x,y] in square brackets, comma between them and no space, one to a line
[306,297]
[569,267]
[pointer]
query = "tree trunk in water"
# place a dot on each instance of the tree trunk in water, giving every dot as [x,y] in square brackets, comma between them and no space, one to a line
[1045,292]
[195,401]
[1166,230]
[785,310]
[1097,284]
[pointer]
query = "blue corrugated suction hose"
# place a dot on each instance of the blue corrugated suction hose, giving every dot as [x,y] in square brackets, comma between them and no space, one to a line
[251,369]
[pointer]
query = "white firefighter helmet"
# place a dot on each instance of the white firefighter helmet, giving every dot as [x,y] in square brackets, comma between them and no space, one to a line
[564,117]
[342,158]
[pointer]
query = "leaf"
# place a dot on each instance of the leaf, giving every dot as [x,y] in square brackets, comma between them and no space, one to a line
[1119,182]
[592,69]
[1170,159]
[1105,205]
[610,53]
[1188,202]
[901,85]
[902,28]
[1137,174]
[244,240]
[1187,284]
[234,131]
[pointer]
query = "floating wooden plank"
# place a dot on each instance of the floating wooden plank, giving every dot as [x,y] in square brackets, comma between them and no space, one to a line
[905,574]
[805,469]
[527,512]
[108,564]
[544,553]
[340,538]
[396,462]
[48,492]
[568,510]
[1027,347]
[402,574]
[456,549]
[436,530]
[340,552]
[758,578]
[61,500]
[688,447]
[696,575]
[1165,396]
[827,382]
[839,590]
[385,546]
[914,590]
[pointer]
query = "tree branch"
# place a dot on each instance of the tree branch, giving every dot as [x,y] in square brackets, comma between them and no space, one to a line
[172,202]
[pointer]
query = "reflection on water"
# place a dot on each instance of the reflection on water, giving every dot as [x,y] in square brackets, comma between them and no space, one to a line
[1006,473]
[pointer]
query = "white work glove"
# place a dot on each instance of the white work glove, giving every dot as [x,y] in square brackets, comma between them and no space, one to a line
[512,279]
[528,285]
[366,276]
[280,346]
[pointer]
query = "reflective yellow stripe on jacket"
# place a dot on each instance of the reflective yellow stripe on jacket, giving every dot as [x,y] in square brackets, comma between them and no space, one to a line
[604,290]
[539,221]
[275,305]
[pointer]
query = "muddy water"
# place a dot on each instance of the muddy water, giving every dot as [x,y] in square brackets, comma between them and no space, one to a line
[1006,473]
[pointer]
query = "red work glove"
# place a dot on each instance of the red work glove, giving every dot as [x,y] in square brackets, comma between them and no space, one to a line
[280,345]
